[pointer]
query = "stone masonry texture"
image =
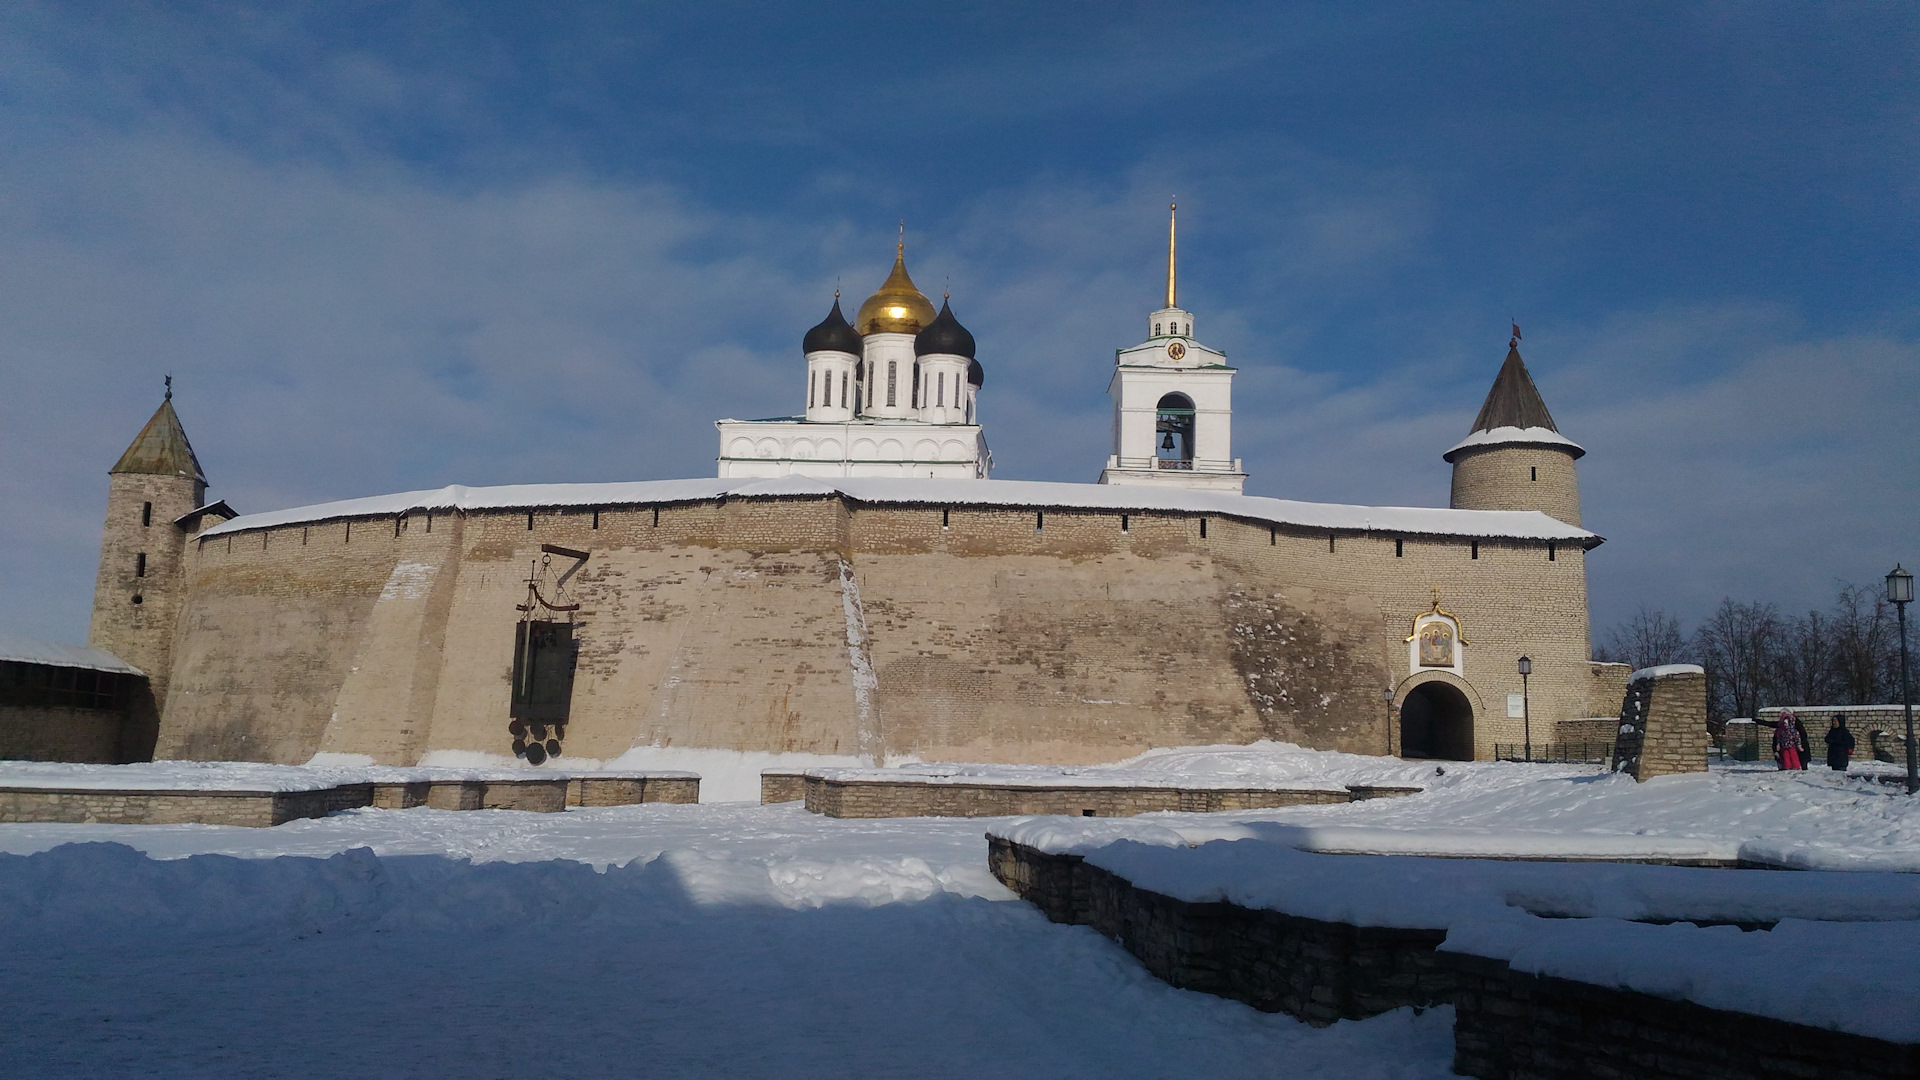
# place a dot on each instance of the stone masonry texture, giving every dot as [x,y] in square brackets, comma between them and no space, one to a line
[995,634]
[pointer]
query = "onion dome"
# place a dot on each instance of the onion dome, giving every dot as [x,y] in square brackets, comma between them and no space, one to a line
[944,335]
[832,335]
[898,308]
[976,375]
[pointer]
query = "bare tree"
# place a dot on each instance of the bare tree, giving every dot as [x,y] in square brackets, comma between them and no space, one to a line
[1648,639]
[1808,663]
[1739,645]
[1864,647]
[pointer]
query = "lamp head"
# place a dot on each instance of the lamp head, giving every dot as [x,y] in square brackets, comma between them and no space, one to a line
[1899,586]
[1526,665]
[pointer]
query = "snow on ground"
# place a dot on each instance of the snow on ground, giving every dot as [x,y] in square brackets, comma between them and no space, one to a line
[749,941]
[1809,820]
[647,940]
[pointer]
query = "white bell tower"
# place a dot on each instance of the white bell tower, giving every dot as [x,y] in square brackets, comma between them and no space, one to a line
[1173,404]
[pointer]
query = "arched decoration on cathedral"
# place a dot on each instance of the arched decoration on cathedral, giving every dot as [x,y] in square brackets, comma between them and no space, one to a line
[1435,641]
[544,656]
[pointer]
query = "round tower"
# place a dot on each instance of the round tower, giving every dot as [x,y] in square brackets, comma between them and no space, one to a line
[945,354]
[833,351]
[155,501]
[1515,458]
[887,323]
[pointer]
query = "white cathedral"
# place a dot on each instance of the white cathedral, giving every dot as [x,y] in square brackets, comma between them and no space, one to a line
[896,392]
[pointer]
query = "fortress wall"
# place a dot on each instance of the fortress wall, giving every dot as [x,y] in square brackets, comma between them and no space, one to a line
[269,630]
[724,624]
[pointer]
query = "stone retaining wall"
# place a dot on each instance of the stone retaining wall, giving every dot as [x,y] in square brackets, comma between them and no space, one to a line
[1663,726]
[782,785]
[1510,1024]
[258,809]
[1319,972]
[862,798]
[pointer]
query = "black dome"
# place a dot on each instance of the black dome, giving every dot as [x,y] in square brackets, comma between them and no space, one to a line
[944,335]
[976,374]
[834,334]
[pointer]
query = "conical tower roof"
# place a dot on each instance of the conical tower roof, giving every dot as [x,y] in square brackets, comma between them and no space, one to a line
[1514,401]
[1514,413]
[161,448]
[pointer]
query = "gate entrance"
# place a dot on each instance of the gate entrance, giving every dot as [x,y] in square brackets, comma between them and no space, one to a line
[1436,721]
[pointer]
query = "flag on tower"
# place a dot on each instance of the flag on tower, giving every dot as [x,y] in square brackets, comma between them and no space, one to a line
[1516,331]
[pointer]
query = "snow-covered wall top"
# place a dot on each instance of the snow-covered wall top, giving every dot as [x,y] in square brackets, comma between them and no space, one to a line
[1666,669]
[28,650]
[1508,524]
[1515,436]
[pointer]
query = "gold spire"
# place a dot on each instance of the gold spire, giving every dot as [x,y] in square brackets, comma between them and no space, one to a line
[1171,294]
[898,307]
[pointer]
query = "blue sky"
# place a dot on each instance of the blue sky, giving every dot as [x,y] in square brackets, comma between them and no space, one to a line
[392,246]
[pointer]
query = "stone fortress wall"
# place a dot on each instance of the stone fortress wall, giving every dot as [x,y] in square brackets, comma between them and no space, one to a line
[994,633]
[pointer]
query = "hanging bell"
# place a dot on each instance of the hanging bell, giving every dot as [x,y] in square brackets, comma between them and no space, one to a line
[1166,442]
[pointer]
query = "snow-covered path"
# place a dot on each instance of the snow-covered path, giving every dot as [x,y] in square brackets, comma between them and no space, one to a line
[734,941]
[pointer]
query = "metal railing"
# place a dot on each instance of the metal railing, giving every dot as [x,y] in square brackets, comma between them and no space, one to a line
[1579,753]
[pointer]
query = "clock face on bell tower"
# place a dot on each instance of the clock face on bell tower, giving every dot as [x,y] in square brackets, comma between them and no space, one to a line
[1176,350]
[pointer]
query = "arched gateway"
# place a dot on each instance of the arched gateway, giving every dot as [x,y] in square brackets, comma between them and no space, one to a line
[1436,721]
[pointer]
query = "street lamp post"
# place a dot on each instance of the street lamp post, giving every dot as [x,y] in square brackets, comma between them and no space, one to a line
[1900,594]
[1526,708]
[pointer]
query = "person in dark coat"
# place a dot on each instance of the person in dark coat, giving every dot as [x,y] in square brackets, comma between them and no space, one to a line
[1806,742]
[1839,745]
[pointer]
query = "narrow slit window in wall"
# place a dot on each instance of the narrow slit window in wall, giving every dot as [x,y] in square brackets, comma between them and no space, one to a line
[396,524]
[429,521]
[596,519]
[946,517]
[656,517]
[1550,553]
[346,538]
[146,514]
[1123,523]
[1039,520]
[1273,536]
[1475,547]
[529,521]
[303,536]
[843,389]
[1533,472]
[1399,548]
[140,565]
[893,380]
[1203,528]
[1329,543]
[810,388]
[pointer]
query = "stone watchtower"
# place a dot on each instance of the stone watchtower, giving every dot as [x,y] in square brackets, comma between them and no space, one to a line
[1515,459]
[155,497]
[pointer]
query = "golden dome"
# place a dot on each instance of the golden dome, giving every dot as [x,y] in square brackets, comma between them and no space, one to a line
[898,308]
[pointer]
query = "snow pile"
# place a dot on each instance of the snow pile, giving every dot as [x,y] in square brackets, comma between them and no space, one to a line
[725,775]
[1805,820]
[740,941]
[1846,976]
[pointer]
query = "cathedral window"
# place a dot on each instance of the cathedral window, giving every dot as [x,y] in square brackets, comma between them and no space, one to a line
[940,390]
[843,389]
[893,380]
[809,390]
[1156,329]
[918,401]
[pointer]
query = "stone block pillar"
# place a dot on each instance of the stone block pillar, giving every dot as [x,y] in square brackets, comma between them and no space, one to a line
[1663,722]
